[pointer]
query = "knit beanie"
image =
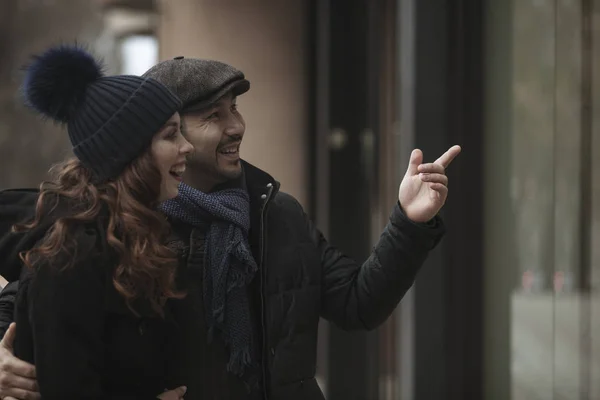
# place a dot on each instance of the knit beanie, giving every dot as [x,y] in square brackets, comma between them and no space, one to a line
[110,119]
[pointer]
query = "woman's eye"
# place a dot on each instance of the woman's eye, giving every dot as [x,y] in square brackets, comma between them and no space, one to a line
[171,135]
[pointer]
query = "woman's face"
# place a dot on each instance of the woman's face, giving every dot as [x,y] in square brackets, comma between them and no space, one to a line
[170,150]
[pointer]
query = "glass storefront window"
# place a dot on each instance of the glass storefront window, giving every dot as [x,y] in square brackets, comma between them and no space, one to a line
[542,192]
[594,142]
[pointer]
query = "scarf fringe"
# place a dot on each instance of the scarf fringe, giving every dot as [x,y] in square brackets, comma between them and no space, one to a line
[239,361]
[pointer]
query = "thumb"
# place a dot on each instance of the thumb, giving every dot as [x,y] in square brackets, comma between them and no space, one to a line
[9,337]
[416,159]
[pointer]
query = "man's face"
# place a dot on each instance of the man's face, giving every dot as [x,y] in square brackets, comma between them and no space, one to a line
[216,134]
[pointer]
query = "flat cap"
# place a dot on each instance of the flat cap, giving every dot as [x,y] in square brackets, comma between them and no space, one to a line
[198,83]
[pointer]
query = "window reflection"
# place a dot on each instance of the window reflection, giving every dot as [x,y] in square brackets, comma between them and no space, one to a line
[554,315]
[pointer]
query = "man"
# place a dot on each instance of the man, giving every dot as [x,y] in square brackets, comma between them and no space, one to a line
[258,274]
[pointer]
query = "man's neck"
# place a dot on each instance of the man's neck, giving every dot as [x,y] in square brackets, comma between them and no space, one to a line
[198,182]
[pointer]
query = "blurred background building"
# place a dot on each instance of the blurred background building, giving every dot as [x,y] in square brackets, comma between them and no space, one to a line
[507,308]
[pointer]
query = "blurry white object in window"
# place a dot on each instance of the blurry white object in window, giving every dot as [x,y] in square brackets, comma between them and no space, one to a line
[138,54]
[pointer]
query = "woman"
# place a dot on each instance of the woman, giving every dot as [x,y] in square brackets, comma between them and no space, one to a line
[91,311]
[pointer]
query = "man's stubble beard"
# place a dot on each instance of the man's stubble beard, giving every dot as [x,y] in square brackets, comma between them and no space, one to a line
[205,176]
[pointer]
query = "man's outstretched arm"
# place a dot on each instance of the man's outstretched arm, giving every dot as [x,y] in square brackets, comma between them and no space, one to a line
[362,296]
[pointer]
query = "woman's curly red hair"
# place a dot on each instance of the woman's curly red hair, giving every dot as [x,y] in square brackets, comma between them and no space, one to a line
[136,231]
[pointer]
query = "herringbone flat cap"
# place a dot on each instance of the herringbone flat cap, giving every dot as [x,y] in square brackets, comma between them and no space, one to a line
[198,83]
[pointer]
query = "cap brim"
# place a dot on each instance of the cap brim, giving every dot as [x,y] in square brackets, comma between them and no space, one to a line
[236,88]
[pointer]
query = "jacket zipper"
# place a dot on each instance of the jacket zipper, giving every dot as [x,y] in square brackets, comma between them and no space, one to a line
[263,278]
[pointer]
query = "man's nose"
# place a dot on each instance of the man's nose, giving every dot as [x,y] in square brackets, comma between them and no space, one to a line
[235,126]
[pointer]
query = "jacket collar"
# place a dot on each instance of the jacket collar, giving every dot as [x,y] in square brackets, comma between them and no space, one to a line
[259,184]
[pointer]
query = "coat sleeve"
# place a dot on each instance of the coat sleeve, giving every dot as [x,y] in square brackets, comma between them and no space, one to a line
[67,315]
[7,306]
[363,296]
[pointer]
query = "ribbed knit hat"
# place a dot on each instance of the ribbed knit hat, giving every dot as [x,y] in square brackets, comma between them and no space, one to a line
[110,119]
[198,83]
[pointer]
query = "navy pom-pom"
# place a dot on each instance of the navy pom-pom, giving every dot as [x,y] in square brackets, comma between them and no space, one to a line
[56,80]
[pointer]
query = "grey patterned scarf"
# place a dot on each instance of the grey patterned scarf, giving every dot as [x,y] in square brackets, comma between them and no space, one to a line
[228,264]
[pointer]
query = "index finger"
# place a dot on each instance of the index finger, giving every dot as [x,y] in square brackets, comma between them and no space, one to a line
[21,368]
[446,158]
[181,391]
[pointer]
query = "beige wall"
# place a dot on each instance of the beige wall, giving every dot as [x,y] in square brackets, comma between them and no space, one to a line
[266,40]
[28,146]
